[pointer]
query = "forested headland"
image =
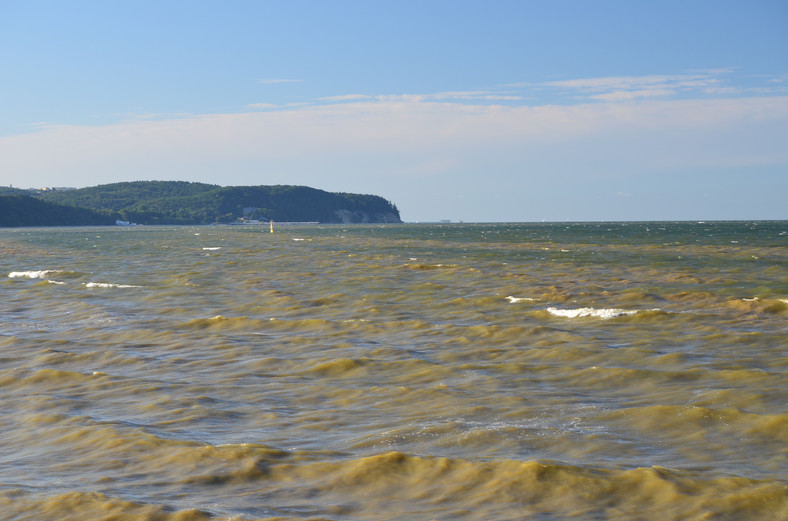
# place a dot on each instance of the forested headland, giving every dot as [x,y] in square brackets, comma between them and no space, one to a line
[24,210]
[181,202]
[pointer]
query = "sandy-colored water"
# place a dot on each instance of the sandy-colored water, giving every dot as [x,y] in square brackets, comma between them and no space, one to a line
[544,371]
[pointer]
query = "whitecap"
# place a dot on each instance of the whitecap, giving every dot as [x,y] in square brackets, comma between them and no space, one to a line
[603,313]
[515,300]
[40,274]
[108,285]
[213,248]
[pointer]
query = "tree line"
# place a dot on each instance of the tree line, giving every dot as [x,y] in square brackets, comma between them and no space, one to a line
[180,202]
[24,210]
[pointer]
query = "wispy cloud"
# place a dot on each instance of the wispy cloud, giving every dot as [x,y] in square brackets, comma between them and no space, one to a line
[151,115]
[262,106]
[617,88]
[701,83]
[474,96]
[630,82]
[706,84]
[348,97]
[621,95]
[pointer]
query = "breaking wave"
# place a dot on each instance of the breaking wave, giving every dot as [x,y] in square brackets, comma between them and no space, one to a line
[109,285]
[36,274]
[603,313]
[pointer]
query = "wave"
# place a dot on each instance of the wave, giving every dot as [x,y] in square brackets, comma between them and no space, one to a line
[758,305]
[78,506]
[428,267]
[690,421]
[45,274]
[108,285]
[36,274]
[603,313]
[222,323]
[515,300]
[249,477]
[406,486]
[342,367]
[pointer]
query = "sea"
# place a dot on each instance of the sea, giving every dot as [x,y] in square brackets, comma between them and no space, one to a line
[536,371]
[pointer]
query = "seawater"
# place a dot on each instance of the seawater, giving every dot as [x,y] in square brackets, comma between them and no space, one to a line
[605,371]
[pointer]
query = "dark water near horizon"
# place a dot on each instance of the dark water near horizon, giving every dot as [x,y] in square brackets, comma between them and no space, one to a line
[545,371]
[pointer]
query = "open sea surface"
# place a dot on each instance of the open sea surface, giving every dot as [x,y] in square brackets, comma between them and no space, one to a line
[597,371]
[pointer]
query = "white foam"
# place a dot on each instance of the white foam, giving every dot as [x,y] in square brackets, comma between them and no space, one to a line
[214,248]
[603,313]
[515,300]
[41,274]
[108,285]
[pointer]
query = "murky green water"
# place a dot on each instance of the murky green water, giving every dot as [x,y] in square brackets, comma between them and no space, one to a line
[498,371]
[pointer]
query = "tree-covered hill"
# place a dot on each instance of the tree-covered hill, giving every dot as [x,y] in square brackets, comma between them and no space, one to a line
[118,196]
[8,190]
[24,210]
[179,202]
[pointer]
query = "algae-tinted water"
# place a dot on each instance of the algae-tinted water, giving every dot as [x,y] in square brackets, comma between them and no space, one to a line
[490,371]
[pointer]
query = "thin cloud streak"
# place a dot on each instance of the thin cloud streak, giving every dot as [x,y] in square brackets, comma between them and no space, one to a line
[621,95]
[418,98]
[262,106]
[619,88]
[630,82]
[703,83]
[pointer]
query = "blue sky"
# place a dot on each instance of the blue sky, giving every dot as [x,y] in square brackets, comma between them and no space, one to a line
[475,111]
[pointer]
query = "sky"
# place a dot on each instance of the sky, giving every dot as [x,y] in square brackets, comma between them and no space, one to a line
[481,111]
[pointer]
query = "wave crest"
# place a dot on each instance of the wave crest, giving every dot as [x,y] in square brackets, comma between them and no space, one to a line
[603,313]
[34,274]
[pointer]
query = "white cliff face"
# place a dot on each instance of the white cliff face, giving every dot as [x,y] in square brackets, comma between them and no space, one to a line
[389,217]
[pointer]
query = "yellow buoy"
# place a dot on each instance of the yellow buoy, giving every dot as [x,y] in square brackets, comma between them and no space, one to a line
[272,226]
